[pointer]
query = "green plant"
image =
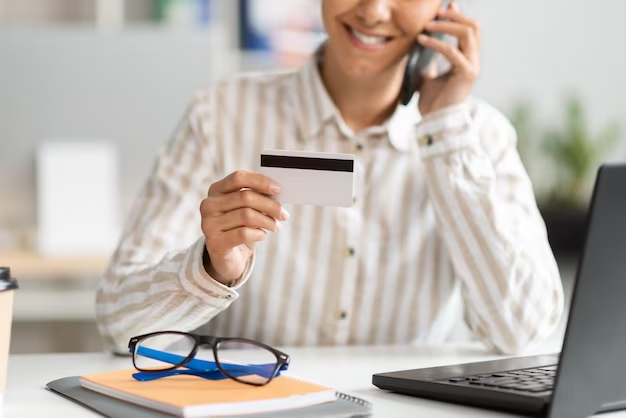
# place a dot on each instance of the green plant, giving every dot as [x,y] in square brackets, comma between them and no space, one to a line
[576,153]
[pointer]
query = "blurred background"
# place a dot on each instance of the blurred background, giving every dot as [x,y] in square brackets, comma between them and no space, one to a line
[90,89]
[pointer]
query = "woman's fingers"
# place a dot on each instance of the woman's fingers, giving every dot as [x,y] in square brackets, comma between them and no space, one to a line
[453,14]
[244,217]
[465,35]
[459,62]
[241,179]
[215,206]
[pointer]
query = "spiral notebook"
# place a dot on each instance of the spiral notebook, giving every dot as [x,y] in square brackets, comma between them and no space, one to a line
[302,399]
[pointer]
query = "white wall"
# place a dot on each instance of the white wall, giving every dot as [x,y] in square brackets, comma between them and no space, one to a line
[130,88]
[133,88]
[541,49]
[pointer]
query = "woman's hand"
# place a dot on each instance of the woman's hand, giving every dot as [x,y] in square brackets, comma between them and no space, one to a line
[235,217]
[453,87]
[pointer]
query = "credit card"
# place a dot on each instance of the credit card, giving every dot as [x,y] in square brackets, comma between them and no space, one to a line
[311,178]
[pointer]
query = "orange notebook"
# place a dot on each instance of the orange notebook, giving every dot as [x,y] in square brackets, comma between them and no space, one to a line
[191,396]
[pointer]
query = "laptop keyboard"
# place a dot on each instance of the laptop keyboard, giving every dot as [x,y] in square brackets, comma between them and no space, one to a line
[533,381]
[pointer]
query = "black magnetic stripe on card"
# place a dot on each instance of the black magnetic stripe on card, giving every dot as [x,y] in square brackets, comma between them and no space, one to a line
[307,163]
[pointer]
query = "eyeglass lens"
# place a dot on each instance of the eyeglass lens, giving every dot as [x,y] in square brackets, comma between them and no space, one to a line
[261,363]
[178,344]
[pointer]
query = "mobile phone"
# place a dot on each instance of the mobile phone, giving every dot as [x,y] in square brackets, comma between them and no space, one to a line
[419,60]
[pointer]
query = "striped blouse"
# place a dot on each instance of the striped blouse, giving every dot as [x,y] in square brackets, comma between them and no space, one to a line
[444,227]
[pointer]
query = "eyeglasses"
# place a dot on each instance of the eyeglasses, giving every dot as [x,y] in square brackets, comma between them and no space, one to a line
[154,363]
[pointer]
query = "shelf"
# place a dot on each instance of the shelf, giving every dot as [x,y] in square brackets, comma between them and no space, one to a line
[105,14]
[28,266]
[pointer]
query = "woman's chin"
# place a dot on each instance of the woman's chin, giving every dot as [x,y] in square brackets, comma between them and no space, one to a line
[364,70]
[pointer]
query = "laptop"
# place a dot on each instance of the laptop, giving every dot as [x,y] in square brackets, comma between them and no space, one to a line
[588,376]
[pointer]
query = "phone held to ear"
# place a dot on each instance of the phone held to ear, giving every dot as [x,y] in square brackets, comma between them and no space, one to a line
[419,60]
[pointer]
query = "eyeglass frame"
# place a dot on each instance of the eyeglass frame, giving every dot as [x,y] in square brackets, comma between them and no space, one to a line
[282,359]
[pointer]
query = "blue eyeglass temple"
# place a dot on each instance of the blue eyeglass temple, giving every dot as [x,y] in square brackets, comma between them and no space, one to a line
[201,368]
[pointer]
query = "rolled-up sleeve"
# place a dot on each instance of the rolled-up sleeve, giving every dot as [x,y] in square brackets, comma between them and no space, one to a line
[491,226]
[156,279]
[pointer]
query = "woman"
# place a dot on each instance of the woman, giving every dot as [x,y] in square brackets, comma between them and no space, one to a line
[444,220]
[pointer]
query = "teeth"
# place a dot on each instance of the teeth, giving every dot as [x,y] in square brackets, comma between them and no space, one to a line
[366,39]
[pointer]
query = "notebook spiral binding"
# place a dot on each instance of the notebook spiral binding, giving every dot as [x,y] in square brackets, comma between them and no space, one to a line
[353,399]
[349,398]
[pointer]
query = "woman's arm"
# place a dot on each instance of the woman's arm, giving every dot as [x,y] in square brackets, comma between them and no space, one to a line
[491,226]
[156,279]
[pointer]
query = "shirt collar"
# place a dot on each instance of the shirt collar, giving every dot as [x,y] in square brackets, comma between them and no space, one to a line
[315,108]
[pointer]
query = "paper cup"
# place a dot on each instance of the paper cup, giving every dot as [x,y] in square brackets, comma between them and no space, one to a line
[7,290]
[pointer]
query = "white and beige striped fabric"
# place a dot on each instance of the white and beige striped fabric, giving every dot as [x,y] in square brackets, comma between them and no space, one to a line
[444,225]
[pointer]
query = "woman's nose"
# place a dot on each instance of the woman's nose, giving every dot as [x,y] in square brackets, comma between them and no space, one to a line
[373,12]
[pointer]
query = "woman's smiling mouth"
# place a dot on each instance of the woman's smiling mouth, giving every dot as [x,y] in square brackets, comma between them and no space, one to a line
[367,41]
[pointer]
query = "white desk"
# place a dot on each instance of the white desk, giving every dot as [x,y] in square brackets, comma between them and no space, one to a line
[346,368]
